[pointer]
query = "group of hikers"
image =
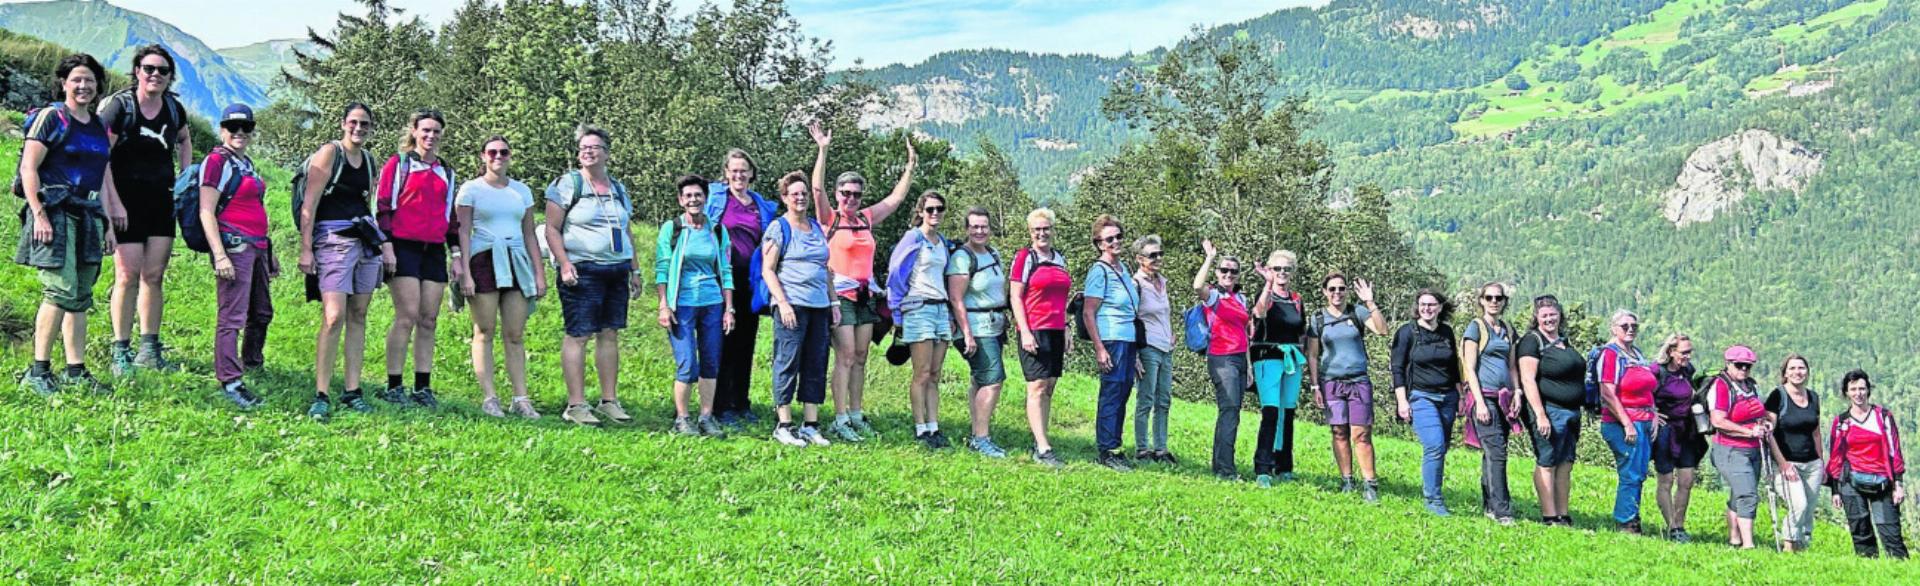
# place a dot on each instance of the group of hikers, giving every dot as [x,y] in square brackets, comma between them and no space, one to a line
[98,177]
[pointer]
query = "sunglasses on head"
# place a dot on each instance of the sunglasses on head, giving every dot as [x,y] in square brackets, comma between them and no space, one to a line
[237,127]
[156,70]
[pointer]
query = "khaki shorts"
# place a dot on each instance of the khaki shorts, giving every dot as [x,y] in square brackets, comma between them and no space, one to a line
[70,287]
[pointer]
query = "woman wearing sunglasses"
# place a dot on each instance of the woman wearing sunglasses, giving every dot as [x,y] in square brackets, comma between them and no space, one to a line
[917,296]
[1426,384]
[501,279]
[1229,324]
[243,258]
[1485,350]
[1337,364]
[340,253]
[1740,421]
[1112,305]
[850,239]
[1627,416]
[1279,332]
[1156,354]
[147,126]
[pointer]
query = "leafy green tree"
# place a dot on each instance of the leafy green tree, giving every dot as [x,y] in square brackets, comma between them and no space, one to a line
[1517,82]
[1580,91]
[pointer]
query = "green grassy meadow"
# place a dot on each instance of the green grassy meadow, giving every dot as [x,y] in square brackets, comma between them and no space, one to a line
[163,482]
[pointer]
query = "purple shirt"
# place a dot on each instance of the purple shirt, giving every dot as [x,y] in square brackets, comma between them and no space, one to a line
[742,222]
[1674,396]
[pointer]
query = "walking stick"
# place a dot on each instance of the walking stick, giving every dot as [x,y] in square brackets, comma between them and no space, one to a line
[1773,517]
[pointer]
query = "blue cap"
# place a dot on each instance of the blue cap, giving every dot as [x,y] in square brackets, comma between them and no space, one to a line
[237,112]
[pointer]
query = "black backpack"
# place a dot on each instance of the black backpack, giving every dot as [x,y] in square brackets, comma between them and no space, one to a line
[126,122]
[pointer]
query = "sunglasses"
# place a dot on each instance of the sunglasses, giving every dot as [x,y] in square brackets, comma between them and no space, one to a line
[156,70]
[1227,271]
[1110,239]
[1336,289]
[237,127]
[931,210]
[1280,269]
[1741,365]
[499,153]
[1495,298]
[1685,353]
[1155,255]
[846,193]
[1631,327]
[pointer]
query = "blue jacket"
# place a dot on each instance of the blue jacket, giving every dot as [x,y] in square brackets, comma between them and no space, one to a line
[717,204]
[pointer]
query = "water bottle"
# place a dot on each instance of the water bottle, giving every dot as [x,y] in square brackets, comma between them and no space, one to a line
[1702,422]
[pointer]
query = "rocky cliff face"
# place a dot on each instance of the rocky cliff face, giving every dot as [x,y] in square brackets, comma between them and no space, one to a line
[1720,174]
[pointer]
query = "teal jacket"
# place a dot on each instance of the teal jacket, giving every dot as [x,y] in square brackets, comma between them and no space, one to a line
[669,256]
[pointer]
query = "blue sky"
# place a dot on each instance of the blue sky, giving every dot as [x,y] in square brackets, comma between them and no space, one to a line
[876,32]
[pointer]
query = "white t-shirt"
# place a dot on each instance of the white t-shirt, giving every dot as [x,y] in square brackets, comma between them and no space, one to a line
[497,212]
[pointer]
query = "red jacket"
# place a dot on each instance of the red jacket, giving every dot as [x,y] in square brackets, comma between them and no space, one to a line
[423,209]
[1871,446]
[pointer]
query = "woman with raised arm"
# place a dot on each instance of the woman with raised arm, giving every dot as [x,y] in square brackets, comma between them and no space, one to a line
[1229,323]
[799,287]
[1337,365]
[977,289]
[590,233]
[745,215]
[1038,289]
[416,213]
[501,278]
[340,251]
[850,225]
[63,168]
[1553,376]
[1484,350]
[147,126]
[1279,366]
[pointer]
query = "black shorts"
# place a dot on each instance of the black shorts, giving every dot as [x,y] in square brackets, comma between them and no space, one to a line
[149,211]
[420,260]
[1050,360]
[1676,448]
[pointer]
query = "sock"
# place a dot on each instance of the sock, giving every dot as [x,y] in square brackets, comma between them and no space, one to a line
[322,396]
[393,381]
[855,414]
[150,340]
[920,429]
[350,394]
[41,368]
[76,369]
[784,425]
[842,419]
[933,426]
[119,345]
[811,425]
[423,380]
[231,385]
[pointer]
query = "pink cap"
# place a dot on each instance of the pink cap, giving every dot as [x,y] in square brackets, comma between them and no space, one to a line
[1741,354]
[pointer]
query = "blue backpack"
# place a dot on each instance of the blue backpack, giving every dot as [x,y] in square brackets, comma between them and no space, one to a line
[762,299]
[1199,328]
[58,110]
[186,200]
[1593,401]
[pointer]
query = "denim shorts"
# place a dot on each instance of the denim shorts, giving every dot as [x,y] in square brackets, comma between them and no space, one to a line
[989,361]
[597,302]
[695,338]
[930,322]
[1558,448]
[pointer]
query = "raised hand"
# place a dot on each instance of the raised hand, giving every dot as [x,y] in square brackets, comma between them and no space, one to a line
[821,136]
[1363,290]
[1206,245]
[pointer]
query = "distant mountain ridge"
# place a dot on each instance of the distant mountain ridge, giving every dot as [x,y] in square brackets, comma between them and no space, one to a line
[206,81]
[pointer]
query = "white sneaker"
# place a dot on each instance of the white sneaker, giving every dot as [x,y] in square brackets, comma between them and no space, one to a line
[787,435]
[812,435]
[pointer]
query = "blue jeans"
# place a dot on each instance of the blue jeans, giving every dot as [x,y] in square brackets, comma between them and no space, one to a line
[695,339]
[1156,399]
[1631,462]
[1433,415]
[1115,386]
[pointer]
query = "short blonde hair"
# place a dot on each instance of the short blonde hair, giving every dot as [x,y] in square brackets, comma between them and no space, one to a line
[1042,214]
[1283,254]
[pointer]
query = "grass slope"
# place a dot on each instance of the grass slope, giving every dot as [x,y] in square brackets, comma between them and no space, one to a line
[163,482]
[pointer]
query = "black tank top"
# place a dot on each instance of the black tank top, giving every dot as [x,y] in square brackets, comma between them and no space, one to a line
[348,198]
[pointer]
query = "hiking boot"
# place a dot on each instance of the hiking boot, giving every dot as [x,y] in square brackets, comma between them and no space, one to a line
[1263,481]
[523,407]
[41,384]
[1286,477]
[1679,535]
[399,396]
[1346,484]
[1504,521]
[1167,457]
[355,401]
[1145,456]
[787,435]
[938,440]
[491,407]
[1370,491]
[711,428]
[684,426]
[730,420]
[1631,527]
[840,429]
[321,410]
[122,365]
[1115,461]
[861,426]
[611,411]
[812,435]
[925,439]
[985,446]
[1439,509]
[423,397]
[84,381]
[240,396]
[154,357]
[1048,459]
[579,414]
[748,417]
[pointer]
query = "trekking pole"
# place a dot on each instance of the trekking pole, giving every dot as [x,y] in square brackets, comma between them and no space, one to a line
[1773,517]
